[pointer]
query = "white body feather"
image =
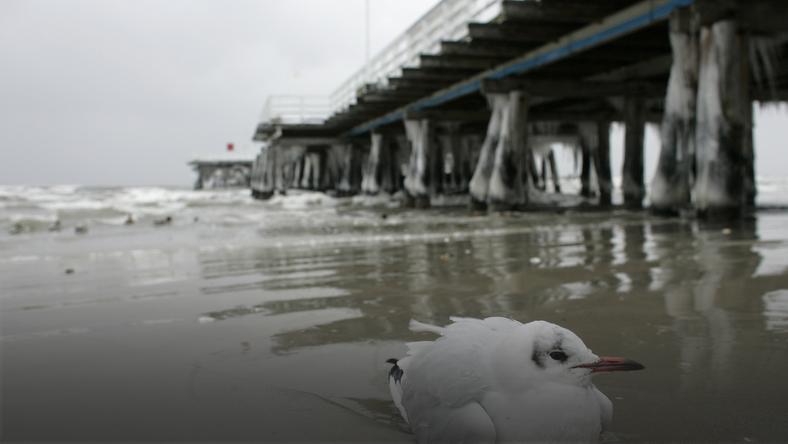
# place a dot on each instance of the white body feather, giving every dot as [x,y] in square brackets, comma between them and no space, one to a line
[484,381]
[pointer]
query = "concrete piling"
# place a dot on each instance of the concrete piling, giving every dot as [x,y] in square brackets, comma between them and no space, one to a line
[670,187]
[480,182]
[723,102]
[509,181]
[602,163]
[633,185]
[369,182]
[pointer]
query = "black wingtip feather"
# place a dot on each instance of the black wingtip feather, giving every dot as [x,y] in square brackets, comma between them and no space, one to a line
[396,371]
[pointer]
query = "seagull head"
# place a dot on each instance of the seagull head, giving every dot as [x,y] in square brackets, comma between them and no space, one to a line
[542,352]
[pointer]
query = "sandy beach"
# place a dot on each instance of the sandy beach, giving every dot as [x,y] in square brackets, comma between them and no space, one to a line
[266,322]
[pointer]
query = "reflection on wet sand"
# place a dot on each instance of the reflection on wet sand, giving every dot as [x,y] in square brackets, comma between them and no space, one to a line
[300,334]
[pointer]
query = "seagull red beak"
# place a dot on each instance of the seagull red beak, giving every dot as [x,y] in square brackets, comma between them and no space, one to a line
[612,364]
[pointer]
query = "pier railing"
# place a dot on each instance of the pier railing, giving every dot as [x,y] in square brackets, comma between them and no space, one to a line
[294,109]
[447,20]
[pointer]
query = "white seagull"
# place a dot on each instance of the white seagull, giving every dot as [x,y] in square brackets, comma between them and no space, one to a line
[499,380]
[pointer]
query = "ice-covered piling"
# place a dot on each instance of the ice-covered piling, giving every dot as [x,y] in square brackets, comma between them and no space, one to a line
[670,187]
[417,177]
[388,169]
[551,163]
[371,172]
[347,168]
[480,181]
[588,140]
[722,120]
[501,178]
[509,181]
[602,163]
[633,186]
[455,151]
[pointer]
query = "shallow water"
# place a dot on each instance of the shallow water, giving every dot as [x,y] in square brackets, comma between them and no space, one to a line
[272,322]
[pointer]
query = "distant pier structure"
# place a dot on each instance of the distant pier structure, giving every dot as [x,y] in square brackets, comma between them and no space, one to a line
[214,174]
[473,97]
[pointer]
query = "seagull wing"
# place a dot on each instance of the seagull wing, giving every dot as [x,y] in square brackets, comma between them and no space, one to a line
[442,381]
[605,408]
[466,424]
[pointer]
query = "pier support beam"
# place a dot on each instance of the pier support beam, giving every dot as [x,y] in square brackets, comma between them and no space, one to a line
[297,168]
[602,162]
[335,157]
[670,187]
[268,186]
[371,171]
[551,163]
[723,108]
[347,166]
[437,164]
[326,181]
[312,175]
[480,182]
[454,152]
[632,172]
[501,179]
[389,165]
[750,186]
[587,142]
[303,169]
[417,176]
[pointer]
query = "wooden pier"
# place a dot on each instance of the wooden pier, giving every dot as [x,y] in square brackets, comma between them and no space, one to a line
[480,104]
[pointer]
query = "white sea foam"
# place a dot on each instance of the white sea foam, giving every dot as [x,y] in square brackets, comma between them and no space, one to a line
[28,210]
[298,200]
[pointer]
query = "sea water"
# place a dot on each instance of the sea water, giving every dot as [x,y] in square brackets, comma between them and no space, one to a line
[272,321]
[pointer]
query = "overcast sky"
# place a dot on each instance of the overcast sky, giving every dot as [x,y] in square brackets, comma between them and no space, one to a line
[126,92]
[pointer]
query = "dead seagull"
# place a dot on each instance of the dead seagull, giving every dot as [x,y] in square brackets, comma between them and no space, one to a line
[499,380]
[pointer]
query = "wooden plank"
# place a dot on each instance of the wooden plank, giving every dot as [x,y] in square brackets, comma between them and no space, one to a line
[482,49]
[388,98]
[563,11]
[536,33]
[459,62]
[585,116]
[449,115]
[763,16]
[649,68]
[577,69]
[434,74]
[401,82]
[573,88]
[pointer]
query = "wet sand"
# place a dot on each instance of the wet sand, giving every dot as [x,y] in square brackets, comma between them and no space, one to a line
[280,332]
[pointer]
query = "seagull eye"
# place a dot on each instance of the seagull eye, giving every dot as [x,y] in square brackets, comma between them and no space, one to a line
[558,356]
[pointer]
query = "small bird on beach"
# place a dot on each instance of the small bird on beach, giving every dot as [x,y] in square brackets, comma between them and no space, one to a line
[498,380]
[163,221]
[81,229]
[129,220]
[17,228]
